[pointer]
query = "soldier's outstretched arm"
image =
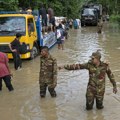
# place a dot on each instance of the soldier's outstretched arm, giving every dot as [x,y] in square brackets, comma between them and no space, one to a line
[70,67]
[112,79]
[74,66]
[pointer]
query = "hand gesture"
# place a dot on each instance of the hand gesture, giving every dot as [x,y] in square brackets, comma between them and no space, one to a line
[11,74]
[60,67]
[14,50]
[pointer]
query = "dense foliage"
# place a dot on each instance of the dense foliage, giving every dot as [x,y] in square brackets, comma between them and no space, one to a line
[69,8]
[8,5]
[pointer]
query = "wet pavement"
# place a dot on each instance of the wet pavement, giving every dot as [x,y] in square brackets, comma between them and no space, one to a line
[24,103]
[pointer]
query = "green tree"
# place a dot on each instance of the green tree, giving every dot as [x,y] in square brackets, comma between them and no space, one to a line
[68,8]
[8,5]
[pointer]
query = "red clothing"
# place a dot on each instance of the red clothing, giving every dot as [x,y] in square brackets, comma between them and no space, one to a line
[3,65]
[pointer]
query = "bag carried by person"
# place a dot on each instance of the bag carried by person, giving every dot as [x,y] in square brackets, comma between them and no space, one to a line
[58,33]
[23,48]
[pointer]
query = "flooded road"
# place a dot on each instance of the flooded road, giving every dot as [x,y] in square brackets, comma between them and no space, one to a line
[24,103]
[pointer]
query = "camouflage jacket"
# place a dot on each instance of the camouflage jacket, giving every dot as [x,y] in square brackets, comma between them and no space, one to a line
[48,70]
[96,74]
[100,25]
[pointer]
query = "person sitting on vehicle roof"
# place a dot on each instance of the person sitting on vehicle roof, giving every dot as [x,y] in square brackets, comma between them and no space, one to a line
[29,10]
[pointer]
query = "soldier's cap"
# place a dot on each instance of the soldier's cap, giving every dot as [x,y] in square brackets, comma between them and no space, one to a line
[96,55]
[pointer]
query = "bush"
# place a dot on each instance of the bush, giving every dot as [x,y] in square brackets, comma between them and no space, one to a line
[115,18]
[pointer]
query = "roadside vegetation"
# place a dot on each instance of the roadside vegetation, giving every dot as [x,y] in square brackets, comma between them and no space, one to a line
[115,18]
[69,8]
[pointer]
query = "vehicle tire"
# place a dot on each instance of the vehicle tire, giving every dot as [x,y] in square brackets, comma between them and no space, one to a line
[34,52]
[82,24]
[96,24]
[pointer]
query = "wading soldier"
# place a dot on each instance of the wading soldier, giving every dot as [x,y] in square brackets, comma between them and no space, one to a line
[48,73]
[100,26]
[96,85]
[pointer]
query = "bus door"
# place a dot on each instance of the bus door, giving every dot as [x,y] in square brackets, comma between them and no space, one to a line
[31,31]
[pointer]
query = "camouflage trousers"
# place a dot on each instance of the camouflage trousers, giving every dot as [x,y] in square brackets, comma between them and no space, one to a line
[92,94]
[99,30]
[43,89]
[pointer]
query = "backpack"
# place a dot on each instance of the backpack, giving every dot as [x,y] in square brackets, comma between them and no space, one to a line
[58,33]
[63,32]
[23,48]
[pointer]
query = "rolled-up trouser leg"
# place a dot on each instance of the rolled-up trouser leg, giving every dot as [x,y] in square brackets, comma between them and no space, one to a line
[52,91]
[43,87]
[99,102]
[7,80]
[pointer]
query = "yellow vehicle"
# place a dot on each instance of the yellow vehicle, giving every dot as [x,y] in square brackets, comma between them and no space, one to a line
[10,24]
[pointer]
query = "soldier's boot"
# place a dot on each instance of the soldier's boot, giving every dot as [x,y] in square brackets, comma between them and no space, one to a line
[99,104]
[99,31]
[52,92]
[43,91]
[89,106]
[42,94]
[89,103]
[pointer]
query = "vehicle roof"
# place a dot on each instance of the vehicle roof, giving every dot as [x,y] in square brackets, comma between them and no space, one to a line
[89,8]
[17,15]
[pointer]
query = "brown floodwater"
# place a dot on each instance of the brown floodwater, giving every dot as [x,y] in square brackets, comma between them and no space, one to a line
[24,103]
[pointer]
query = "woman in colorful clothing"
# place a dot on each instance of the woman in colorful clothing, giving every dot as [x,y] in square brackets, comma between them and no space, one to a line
[5,73]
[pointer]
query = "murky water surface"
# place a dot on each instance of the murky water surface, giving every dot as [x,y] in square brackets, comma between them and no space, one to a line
[25,103]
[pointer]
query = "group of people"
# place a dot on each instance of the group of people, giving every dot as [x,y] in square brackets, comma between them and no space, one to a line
[5,72]
[48,74]
[97,72]
[48,66]
[47,16]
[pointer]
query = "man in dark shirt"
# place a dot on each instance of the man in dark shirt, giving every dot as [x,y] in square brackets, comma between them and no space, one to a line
[43,14]
[14,47]
[51,17]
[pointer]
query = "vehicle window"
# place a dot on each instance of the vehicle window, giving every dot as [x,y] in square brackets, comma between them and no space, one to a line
[88,11]
[11,25]
[30,25]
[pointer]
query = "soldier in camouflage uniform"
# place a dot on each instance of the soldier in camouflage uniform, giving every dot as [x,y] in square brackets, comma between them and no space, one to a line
[100,26]
[96,85]
[48,73]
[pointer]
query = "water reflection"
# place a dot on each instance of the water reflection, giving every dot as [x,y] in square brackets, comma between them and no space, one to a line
[95,115]
[25,102]
[48,109]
